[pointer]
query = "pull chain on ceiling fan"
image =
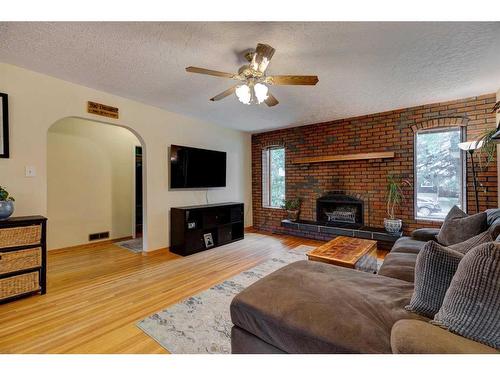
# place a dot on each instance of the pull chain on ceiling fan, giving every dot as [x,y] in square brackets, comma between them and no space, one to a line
[253,86]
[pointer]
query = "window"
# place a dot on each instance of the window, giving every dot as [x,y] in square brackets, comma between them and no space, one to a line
[439,172]
[273,177]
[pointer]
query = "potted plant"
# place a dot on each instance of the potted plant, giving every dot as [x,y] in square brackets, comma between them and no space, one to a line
[486,145]
[487,142]
[394,198]
[292,208]
[6,204]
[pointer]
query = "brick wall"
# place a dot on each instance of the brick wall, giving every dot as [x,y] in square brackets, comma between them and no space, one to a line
[387,131]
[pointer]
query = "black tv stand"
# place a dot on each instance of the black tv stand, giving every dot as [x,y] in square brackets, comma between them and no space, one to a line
[191,225]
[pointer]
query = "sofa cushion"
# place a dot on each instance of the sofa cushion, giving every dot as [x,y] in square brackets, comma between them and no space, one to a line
[425,234]
[492,215]
[458,226]
[471,307]
[313,307]
[407,245]
[495,228]
[243,342]
[399,266]
[435,267]
[493,221]
[464,247]
[417,337]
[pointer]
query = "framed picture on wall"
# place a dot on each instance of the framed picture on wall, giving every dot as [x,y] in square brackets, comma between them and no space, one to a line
[4,125]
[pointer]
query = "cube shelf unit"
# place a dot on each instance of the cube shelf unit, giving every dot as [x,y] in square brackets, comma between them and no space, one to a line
[189,226]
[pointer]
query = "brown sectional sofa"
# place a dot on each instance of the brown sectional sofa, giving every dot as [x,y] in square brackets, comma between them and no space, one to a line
[311,307]
[400,262]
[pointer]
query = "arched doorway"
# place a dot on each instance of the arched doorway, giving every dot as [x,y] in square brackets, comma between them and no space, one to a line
[92,189]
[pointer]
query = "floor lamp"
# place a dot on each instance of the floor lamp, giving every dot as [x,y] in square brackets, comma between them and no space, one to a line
[470,147]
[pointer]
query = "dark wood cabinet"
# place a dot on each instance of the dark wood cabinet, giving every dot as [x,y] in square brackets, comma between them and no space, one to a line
[198,228]
[23,257]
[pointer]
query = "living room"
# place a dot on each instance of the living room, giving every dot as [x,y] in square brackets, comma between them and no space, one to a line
[202,187]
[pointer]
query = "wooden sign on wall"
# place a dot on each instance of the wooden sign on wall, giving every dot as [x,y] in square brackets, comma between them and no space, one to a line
[102,109]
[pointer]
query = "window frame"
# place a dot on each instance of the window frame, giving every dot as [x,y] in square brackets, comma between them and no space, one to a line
[266,169]
[463,163]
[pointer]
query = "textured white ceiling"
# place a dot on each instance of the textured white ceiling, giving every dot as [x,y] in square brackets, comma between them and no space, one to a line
[362,67]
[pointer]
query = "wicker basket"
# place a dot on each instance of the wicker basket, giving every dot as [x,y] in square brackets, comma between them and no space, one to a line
[15,285]
[20,236]
[20,260]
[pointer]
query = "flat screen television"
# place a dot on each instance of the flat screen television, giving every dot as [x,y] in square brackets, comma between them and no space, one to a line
[196,168]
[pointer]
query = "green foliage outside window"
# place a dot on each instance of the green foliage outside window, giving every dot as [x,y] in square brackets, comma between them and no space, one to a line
[439,172]
[277,176]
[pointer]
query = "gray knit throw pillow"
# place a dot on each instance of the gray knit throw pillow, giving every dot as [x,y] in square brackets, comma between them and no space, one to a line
[471,307]
[434,270]
[464,247]
[458,226]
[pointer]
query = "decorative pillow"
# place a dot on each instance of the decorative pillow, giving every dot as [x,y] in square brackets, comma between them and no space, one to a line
[471,307]
[495,228]
[493,214]
[493,221]
[458,226]
[434,270]
[464,247]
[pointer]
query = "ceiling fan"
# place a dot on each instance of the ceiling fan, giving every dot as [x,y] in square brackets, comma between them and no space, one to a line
[252,88]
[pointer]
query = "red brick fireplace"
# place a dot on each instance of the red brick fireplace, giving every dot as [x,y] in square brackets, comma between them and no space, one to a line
[388,131]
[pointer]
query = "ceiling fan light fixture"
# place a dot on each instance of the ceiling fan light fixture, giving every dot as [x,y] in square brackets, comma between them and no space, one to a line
[253,80]
[243,94]
[261,92]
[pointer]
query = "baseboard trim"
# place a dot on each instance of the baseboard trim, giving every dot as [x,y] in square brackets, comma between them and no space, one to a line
[91,244]
[153,252]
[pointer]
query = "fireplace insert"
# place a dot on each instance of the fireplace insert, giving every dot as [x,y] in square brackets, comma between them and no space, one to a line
[339,208]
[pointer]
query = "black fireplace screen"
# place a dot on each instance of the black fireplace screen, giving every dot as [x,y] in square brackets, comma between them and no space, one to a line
[339,208]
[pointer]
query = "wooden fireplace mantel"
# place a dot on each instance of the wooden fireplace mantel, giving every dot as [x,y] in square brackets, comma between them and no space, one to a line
[362,156]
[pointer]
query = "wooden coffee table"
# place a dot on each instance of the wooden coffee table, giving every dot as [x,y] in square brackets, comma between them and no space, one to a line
[348,252]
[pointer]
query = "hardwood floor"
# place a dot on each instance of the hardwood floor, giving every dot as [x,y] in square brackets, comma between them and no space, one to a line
[97,294]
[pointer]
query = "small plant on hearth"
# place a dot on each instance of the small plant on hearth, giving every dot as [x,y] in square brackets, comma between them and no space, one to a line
[6,204]
[394,198]
[292,208]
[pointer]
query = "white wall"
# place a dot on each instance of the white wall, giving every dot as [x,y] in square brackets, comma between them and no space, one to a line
[37,101]
[90,181]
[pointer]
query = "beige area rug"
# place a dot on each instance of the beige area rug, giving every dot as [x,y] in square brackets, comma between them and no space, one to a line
[202,323]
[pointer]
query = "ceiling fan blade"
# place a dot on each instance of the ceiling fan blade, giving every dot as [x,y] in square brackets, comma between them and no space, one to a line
[271,101]
[262,57]
[223,94]
[216,73]
[292,80]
